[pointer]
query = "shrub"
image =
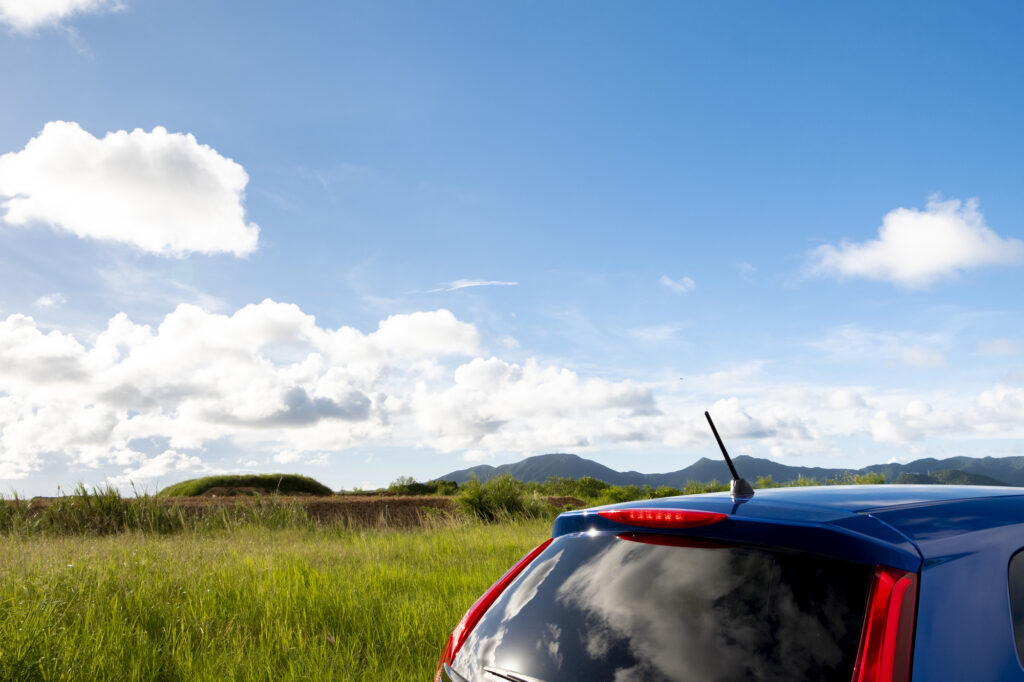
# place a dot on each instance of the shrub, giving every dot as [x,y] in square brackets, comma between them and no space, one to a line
[665,491]
[614,494]
[588,486]
[407,485]
[501,498]
[279,484]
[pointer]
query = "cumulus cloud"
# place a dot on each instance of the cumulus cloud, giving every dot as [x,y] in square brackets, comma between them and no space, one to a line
[27,15]
[915,248]
[152,469]
[162,401]
[160,192]
[846,399]
[677,286]
[269,379]
[499,406]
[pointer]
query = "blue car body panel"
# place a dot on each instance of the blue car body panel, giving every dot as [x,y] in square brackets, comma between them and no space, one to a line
[965,628]
[959,538]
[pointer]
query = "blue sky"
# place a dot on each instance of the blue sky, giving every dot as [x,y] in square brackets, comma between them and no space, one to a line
[367,240]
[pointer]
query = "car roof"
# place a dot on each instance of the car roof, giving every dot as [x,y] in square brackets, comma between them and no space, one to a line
[876,498]
[922,514]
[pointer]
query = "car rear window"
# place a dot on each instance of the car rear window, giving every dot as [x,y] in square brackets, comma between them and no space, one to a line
[642,606]
[1016,586]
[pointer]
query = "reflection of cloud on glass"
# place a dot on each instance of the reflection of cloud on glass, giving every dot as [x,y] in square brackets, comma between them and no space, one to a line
[704,615]
[527,588]
[549,642]
[629,674]
[479,651]
[624,590]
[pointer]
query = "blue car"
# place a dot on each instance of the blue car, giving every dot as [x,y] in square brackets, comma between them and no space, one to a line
[864,583]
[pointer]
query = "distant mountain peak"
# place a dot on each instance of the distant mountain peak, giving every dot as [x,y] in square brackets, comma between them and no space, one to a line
[538,468]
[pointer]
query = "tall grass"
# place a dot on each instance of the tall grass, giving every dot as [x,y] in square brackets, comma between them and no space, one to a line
[248,603]
[500,499]
[104,511]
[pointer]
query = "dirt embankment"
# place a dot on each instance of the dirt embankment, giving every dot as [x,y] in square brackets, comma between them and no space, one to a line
[403,512]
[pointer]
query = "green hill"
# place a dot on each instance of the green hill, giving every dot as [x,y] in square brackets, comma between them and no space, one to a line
[948,477]
[955,470]
[258,484]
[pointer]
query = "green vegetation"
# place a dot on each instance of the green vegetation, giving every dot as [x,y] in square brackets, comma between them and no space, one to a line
[504,496]
[948,477]
[848,478]
[100,586]
[407,485]
[105,511]
[246,604]
[499,499]
[278,484]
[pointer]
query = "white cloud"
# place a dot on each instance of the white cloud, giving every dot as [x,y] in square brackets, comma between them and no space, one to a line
[50,301]
[468,283]
[288,456]
[846,399]
[477,456]
[161,192]
[677,286]
[270,382]
[914,248]
[153,468]
[27,15]
[427,334]
[498,406]
[266,375]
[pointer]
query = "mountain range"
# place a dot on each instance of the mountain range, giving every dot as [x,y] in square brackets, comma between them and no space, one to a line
[971,470]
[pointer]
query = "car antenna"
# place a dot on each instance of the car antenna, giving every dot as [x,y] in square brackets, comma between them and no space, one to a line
[739,486]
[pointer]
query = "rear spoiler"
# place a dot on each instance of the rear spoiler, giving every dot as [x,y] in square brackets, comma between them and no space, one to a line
[841,534]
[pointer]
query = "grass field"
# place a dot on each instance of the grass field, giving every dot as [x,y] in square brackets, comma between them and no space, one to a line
[247,603]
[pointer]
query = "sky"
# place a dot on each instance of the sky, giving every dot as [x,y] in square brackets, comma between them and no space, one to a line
[367,240]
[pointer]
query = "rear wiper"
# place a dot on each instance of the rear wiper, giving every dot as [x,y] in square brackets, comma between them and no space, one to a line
[510,675]
[451,676]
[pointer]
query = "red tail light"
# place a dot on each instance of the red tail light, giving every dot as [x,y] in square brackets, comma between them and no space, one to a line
[670,540]
[476,611]
[888,635]
[663,518]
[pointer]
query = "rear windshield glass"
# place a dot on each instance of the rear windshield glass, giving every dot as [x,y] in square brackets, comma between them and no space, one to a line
[1016,582]
[641,606]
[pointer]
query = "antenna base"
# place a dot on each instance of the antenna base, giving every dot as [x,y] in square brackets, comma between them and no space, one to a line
[740,488]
